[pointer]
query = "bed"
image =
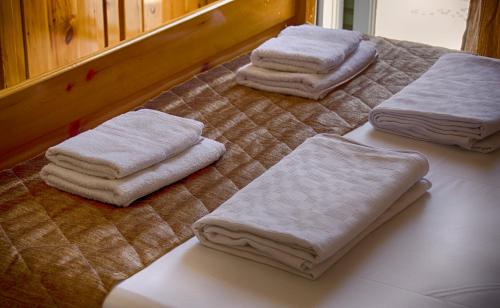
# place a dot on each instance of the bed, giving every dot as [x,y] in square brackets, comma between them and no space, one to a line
[62,250]
[57,249]
[442,251]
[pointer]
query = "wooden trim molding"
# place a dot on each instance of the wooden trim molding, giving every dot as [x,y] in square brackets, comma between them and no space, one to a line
[47,109]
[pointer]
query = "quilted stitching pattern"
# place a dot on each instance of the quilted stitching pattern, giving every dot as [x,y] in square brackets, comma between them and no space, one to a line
[57,249]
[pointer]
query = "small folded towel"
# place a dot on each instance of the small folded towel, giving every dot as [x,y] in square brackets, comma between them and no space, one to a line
[124,191]
[314,86]
[308,210]
[126,144]
[456,102]
[306,49]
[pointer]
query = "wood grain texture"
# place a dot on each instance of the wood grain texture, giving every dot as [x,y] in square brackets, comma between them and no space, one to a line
[154,11]
[113,31]
[121,78]
[89,25]
[13,67]
[482,34]
[38,39]
[133,22]
[59,32]
[62,32]
[306,12]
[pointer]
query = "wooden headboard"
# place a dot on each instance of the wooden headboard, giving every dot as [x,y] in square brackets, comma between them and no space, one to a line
[50,108]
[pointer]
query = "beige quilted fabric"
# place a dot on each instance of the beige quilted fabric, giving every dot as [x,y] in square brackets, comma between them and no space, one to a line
[57,249]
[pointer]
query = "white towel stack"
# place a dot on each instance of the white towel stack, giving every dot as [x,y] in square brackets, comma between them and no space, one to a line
[307,61]
[456,102]
[307,211]
[130,156]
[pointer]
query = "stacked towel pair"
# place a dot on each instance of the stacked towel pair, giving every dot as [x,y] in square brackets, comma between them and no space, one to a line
[456,102]
[130,156]
[311,208]
[307,61]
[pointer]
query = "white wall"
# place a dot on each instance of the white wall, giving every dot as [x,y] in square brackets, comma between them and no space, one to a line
[434,22]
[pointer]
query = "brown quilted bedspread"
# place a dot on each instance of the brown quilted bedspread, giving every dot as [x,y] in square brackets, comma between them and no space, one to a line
[57,249]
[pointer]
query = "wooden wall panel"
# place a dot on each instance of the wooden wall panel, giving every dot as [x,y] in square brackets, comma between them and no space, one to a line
[58,32]
[11,43]
[127,75]
[61,16]
[89,23]
[38,39]
[482,34]
[154,11]
[113,33]
[133,22]
[159,12]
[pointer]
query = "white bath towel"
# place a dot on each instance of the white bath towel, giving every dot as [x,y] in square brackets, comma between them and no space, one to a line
[306,49]
[124,191]
[308,210]
[314,86]
[126,144]
[456,102]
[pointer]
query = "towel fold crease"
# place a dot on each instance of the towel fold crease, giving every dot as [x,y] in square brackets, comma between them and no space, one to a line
[456,102]
[124,191]
[306,49]
[309,209]
[314,86]
[126,144]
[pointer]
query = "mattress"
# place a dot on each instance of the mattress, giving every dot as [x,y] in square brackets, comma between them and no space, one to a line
[442,251]
[57,249]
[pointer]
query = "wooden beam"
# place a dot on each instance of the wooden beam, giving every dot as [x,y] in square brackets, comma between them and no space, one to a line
[482,34]
[489,29]
[45,110]
[306,12]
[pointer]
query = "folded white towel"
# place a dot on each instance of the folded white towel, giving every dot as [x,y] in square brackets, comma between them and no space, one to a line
[124,191]
[313,86]
[307,49]
[456,102]
[308,210]
[126,144]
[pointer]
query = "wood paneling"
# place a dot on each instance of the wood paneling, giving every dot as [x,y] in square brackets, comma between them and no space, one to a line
[13,68]
[38,39]
[89,25]
[62,23]
[59,32]
[154,11]
[306,12]
[132,18]
[38,36]
[113,32]
[125,76]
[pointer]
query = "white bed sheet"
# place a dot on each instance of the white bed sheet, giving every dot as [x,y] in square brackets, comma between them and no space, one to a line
[443,251]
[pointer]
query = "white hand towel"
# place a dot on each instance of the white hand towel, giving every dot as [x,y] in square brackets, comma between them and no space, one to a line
[308,210]
[126,144]
[456,102]
[314,86]
[306,49]
[124,191]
